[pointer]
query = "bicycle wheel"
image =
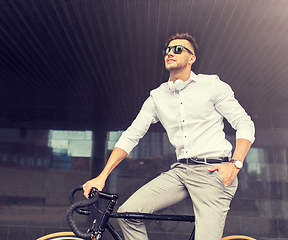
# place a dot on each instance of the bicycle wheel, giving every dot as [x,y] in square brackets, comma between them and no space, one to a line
[238,237]
[60,236]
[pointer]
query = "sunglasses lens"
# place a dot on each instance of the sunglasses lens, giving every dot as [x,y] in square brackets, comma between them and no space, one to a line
[178,49]
[166,51]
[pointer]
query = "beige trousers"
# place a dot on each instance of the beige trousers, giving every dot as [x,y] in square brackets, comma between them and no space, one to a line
[211,200]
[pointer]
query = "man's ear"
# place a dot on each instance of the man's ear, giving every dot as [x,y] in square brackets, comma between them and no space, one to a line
[192,59]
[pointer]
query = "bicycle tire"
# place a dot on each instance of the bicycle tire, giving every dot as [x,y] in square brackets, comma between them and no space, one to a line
[238,237]
[60,236]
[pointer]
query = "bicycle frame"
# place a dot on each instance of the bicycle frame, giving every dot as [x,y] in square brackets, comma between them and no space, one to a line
[148,216]
[108,213]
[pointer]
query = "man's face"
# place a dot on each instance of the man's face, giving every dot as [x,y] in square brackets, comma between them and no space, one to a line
[178,62]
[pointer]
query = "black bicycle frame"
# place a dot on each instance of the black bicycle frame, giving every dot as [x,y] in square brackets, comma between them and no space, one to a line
[156,217]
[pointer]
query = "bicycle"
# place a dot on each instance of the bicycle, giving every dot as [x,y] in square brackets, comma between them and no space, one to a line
[96,233]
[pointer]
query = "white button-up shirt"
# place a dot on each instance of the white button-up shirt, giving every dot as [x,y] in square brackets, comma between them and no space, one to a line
[192,117]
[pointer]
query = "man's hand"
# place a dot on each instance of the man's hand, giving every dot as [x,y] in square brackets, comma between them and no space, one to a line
[228,172]
[96,183]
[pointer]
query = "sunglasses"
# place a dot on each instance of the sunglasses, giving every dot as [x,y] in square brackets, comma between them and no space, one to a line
[177,49]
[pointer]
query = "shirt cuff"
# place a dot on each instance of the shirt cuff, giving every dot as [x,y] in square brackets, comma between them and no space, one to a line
[248,135]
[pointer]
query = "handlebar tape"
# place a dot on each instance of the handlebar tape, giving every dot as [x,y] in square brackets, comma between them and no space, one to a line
[72,200]
[73,208]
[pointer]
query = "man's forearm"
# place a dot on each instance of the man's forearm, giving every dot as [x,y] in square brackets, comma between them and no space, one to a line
[115,158]
[241,150]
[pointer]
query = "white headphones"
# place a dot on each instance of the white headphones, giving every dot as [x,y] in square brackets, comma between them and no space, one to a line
[177,85]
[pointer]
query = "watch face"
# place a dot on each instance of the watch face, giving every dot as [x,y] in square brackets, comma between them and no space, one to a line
[238,164]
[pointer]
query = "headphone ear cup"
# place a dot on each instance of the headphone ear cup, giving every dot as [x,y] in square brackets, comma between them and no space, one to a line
[179,84]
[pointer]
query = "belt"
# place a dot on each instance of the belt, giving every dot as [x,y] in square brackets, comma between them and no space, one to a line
[203,160]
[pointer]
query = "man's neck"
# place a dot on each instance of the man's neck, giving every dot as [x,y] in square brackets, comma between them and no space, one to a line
[183,75]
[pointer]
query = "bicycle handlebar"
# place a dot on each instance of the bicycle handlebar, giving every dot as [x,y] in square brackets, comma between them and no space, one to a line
[76,206]
[72,200]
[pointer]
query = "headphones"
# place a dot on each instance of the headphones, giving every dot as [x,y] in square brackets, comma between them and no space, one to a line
[177,85]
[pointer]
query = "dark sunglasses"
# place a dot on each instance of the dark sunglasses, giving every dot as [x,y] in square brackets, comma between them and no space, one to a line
[177,49]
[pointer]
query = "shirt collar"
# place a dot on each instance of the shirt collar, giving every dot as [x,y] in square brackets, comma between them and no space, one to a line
[193,78]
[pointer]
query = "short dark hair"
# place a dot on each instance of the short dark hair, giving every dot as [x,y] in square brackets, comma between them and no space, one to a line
[185,36]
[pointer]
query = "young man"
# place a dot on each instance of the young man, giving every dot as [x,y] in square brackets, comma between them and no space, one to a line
[191,109]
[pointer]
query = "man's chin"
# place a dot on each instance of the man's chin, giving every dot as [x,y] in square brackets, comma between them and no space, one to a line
[172,69]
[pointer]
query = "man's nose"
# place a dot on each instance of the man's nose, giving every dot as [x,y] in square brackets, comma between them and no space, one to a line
[170,52]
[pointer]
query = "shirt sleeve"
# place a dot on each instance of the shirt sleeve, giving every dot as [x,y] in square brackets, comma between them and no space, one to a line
[229,107]
[147,116]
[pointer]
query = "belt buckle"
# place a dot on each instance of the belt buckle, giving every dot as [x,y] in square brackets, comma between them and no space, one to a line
[193,160]
[196,160]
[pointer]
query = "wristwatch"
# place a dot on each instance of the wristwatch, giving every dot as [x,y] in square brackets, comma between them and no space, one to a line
[237,163]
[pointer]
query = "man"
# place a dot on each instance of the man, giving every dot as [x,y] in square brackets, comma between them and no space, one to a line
[191,109]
